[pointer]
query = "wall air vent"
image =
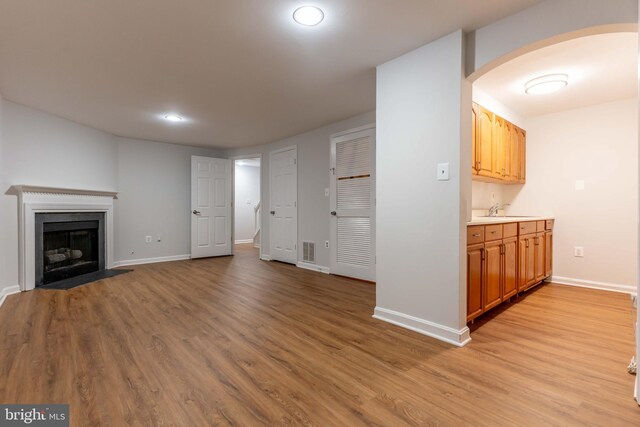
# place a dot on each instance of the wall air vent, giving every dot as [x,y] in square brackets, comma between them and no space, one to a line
[309,252]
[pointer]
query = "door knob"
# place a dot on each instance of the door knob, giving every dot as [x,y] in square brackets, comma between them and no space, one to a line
[195,212]
[333,213]
[272,212]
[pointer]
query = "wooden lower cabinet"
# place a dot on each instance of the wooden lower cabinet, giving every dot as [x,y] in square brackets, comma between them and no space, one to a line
[499,269]
[548,253]
[510,266]
[527,261]
[492,289]
[475,262]
[539,256]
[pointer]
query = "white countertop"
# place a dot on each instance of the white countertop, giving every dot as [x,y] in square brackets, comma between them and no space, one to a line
[482,220]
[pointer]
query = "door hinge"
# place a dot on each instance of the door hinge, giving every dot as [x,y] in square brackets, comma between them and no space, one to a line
[295,161]
[295,204]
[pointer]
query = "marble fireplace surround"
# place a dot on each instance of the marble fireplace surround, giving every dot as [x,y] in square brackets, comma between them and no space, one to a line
[38,199]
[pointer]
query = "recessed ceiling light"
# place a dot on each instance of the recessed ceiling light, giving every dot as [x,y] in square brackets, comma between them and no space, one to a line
[173,118]
[546,84]
[308,15]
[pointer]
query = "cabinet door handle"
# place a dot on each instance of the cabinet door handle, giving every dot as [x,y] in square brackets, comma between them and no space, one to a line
[476,234]
[527,242]
[482,254]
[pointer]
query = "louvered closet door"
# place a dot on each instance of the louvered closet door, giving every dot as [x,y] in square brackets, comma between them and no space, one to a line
[353,204]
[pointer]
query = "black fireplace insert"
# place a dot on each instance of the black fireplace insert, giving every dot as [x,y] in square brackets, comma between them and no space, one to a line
[68,245]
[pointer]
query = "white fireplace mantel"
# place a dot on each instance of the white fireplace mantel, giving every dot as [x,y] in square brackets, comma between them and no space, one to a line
[37,199]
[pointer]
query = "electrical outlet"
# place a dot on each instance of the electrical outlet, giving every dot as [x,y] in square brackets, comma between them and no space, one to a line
[326,192]
[578,251]
[147,239]
[326,244]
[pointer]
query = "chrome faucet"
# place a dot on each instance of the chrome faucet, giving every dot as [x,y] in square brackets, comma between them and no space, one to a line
[493,210]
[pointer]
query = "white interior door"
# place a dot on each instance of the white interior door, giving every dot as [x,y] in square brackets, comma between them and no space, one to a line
[283,206]
[353,204]
[210,207]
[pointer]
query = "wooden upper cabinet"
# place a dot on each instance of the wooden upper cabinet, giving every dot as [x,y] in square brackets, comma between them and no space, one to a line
[474,141]
[498,148]
[485,145]
[521,136]
[514,154]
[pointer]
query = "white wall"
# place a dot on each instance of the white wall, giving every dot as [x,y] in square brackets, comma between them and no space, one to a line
[40,149]
[247,196]
[597,144]
[423,118]
[154,199]
[313,178]
[545,23]
[153,180]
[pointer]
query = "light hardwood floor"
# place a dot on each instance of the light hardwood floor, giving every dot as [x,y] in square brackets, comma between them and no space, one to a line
[244,342]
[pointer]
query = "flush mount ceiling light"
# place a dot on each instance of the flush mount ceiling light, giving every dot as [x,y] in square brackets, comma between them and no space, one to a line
[172,118]
[546,84]
[308,16]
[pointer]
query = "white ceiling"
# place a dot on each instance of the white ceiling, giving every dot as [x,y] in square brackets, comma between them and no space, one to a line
[239,71]
[601,68]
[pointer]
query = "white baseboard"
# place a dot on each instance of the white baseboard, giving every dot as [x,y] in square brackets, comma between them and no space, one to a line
[9,290]
[240,242]
[151,260]
[456,337]
[256,245]
[613,287]
[265,257]
[313,267]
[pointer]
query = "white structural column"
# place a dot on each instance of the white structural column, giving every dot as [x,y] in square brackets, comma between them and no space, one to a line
[423,118]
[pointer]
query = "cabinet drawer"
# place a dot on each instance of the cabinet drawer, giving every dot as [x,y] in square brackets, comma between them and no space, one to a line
[526,227]
[493,232]
[475,234]
[510,230]
[549,224]
[540,226]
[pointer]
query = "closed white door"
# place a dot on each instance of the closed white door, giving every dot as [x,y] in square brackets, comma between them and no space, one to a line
[283,206]
[353,204]
[210,207]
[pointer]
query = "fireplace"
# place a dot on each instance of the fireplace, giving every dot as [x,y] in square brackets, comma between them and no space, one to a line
[68,245]
[38,200]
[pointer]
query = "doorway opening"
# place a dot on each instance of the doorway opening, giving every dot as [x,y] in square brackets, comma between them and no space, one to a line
[555,177]
[247,217]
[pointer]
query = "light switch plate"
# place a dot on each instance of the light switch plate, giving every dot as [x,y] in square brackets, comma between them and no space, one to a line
[443,171]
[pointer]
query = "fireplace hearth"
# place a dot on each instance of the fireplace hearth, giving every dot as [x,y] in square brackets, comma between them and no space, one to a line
[68,245]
